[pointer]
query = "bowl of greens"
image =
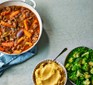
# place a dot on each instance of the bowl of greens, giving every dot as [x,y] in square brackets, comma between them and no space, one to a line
[79,66]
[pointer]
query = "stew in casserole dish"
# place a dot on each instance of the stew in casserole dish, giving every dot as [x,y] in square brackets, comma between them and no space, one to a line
[19,29]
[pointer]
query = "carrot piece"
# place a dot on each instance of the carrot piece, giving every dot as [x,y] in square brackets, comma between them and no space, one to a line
[14,13]
[5,13]
[1,48]
[25,47]
[8,44]
[26,24]
[17,51]
[28,43]
[0,32]
[38,30]
[27,33]
[35,21]
[5,24]
[20,40]
[34,24]
[24,16]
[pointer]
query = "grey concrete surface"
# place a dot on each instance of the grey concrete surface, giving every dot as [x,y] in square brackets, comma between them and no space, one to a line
[67,23]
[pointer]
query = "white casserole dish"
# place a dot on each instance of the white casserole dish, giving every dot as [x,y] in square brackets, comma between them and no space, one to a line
[32,8]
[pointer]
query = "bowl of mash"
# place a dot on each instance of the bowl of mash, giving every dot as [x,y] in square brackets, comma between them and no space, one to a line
[49,72]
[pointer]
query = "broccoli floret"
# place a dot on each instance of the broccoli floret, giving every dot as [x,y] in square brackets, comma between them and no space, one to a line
[90,63]
[86,75]
[91,70]
[85,67]
[81,77]
[84,60]
[76,66]
[73,76]
[86,82]
[92,80]
[70,60]
[77,60]
[67,65]
[78,82]
[78,73]
[76,55]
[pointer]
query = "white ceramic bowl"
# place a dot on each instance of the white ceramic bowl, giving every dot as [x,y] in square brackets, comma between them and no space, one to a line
[52,61]
[32,8]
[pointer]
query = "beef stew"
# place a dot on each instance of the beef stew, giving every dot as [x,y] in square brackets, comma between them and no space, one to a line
[19,29]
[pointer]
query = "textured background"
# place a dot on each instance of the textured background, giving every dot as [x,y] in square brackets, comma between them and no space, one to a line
[67,23]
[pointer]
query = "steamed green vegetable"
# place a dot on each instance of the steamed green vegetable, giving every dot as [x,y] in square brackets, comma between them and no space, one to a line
[79,66]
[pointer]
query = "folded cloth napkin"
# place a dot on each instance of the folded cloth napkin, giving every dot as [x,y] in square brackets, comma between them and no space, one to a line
[7,61]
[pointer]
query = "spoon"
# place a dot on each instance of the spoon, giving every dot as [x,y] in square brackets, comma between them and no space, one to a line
[60,53]
[59,56]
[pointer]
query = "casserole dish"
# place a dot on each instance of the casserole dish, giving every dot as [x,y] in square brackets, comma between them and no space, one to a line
[32,9]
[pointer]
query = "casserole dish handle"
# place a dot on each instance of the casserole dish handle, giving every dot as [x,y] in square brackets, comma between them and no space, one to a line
[33,3]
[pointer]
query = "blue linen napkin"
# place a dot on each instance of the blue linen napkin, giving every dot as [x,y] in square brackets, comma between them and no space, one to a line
[16,59]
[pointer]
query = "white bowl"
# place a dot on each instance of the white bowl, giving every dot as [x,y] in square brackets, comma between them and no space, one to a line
[51,61]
